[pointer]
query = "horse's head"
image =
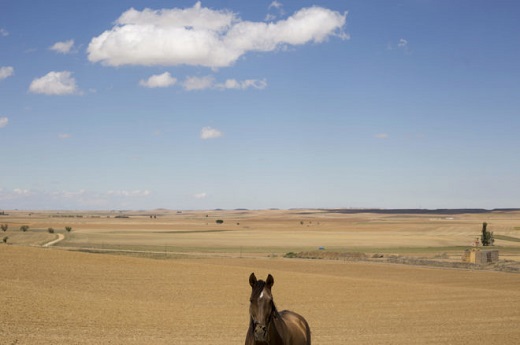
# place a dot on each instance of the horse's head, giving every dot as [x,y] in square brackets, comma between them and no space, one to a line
[262,306]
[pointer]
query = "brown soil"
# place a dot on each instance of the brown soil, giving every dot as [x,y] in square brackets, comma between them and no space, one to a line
[51,296]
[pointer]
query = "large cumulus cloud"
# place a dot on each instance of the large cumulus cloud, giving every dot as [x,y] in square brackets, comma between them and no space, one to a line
[206,37]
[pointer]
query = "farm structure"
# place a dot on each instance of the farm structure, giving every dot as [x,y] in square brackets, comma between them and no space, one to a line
[480,256]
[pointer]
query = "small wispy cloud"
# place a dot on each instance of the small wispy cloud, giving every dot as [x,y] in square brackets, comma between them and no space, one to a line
[55,83]
[210,133]
[129,193]
[158,80]
[382,136]
[200,195]
[6,72]
[208,82]
[198,83]
[3,121]
[64,136]
[275,4]
[73,199]
[242,85]
[21,191]
[64,47]
[4,32]
[402,44]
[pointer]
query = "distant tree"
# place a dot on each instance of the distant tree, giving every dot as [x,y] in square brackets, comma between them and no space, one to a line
[4,227]
[68,228]
[487,238]
[50,230]
[219,221]
[5,239]
[24,228]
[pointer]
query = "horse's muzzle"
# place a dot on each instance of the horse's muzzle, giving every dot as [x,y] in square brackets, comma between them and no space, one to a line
[260,333]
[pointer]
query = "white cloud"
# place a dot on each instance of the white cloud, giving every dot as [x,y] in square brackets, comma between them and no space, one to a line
[3,122]
[382,136]
[64,47]
[3,32]
[201,36]
[68,194]
[198,83]
[66,199]
[55,83]
[64,136]
[402,43]
[158,80]
[21,191]
[6,72]
[275,4]
[131,193]
[208,82]
[242,85]
[210,133]
[200,195]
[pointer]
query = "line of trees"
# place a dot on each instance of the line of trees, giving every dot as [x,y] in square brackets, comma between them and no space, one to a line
[25,228]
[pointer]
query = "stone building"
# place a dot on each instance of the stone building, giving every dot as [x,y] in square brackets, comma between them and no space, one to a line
[480,256]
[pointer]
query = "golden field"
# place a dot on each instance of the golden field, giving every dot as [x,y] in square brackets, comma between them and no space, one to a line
[193,289]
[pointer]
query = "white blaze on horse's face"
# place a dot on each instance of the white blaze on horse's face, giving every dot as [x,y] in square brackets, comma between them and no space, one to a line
[261,295]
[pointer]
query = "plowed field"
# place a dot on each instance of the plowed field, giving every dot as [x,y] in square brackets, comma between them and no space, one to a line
[51,296]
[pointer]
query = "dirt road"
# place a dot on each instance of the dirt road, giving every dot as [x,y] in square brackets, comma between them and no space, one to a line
[61,237]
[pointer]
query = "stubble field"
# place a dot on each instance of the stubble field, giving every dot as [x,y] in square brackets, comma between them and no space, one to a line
[194,288]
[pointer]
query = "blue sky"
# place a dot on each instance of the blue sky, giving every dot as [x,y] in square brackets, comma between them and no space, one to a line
[259,104]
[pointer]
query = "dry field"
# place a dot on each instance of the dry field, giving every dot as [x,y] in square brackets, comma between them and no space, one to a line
[271,231]
[56,296]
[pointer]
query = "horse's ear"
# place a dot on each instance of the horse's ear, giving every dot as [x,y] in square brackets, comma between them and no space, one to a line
[270,281]
[252,279]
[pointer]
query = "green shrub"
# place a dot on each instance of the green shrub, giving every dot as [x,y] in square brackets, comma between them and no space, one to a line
[219,221]
[50,230]
[487,237]
[24,228]
[68,228]
[4,227]
[5,239]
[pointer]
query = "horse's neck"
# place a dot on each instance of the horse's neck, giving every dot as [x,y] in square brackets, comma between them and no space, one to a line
[276,327]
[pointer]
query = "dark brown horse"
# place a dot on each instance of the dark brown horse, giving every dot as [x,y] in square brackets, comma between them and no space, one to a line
[267,325]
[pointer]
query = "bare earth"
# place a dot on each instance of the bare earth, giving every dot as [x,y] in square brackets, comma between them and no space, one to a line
[57,296]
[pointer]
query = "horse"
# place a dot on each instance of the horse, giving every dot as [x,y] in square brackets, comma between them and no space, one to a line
[267,325]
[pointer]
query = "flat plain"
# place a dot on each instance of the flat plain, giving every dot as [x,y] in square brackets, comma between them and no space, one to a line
[183,278]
